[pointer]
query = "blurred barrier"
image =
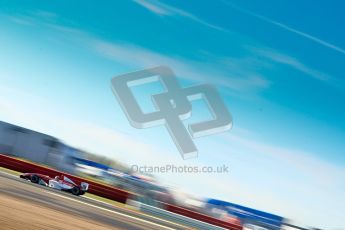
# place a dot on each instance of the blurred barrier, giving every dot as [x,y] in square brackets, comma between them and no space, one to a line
[176,218]
[201,217]
[180,215]
[180,219]
[113,193]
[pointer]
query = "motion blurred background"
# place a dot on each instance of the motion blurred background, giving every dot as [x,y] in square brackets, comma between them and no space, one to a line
[277,65]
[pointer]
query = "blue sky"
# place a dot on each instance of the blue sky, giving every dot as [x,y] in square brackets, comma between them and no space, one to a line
[277,65]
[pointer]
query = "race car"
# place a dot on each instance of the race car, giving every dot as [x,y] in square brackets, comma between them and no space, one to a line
[59,182]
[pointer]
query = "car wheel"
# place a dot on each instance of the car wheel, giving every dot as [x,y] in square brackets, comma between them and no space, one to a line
[75,191]
[34,179]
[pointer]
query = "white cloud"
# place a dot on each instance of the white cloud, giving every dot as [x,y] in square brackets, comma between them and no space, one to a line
[32,17]
[278,57]
[155,8]
[163,9]
[25,21]
[237,76]
[287,28]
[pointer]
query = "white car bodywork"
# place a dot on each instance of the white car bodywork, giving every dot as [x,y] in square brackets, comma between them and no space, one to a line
[66,184]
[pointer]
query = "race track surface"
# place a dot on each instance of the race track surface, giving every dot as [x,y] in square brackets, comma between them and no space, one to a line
[24,205]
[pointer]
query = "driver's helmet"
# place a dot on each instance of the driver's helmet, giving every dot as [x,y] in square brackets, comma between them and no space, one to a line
[57,178]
